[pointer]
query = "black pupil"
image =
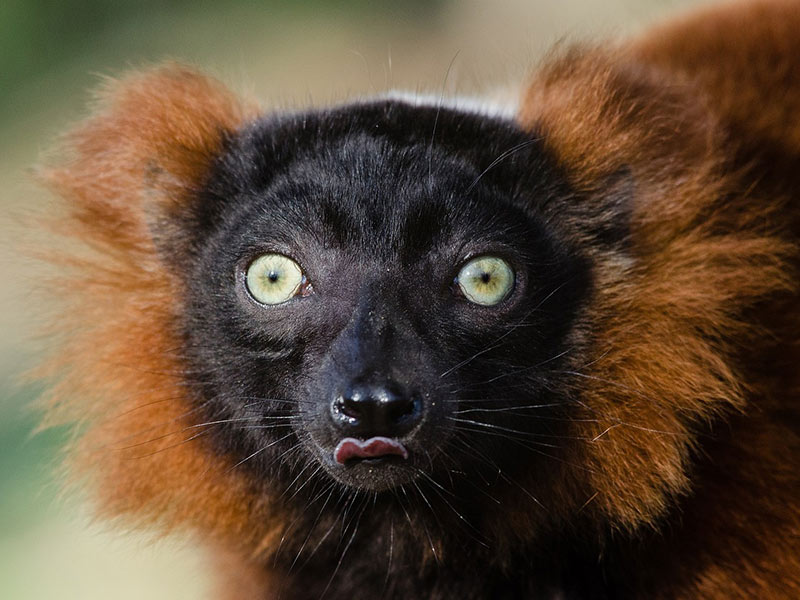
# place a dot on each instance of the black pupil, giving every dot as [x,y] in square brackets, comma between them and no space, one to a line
[273,276]
[485,277]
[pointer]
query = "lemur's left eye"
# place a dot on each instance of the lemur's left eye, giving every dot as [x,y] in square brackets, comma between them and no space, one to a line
[486,280]
[274,279]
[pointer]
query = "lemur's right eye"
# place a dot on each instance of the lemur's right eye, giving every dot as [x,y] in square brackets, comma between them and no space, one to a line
[486,280]
[275,279]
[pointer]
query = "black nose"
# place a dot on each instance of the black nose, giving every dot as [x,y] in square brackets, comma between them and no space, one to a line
[369,410]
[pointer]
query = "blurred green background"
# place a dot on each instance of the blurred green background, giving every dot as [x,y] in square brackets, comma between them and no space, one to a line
[288,54]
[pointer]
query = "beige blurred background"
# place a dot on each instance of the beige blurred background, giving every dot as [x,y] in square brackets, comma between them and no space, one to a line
[288,54]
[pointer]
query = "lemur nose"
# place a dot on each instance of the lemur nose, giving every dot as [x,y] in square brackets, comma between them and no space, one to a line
[369,410]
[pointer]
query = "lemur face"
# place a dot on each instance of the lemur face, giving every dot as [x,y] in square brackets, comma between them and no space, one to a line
[378,302]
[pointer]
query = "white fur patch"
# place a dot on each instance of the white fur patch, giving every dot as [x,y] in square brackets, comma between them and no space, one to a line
[503,106]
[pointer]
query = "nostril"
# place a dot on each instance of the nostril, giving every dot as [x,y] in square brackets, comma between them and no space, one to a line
[347,408]
[401,408]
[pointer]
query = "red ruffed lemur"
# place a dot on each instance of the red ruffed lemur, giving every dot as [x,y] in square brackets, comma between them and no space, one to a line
[410,349]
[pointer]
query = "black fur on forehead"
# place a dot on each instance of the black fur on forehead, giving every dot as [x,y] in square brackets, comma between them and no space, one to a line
[421,138]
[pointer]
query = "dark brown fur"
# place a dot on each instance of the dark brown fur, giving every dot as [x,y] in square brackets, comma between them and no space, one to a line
[691,391]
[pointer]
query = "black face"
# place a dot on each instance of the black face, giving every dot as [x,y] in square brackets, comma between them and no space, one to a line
[374,299]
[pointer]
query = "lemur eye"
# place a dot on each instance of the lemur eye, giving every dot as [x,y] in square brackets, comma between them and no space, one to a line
[486,280]
[274,279]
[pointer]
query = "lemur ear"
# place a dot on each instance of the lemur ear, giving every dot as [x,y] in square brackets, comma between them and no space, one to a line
[141,156]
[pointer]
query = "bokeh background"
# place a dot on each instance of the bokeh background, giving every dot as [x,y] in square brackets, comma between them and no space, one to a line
[288,54]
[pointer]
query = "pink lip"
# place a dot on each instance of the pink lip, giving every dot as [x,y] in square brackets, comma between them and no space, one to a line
[374,447]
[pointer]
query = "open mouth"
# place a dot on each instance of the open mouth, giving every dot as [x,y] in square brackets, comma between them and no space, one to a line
[373,450]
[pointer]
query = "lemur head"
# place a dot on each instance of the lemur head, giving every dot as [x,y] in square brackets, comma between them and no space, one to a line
[374,290]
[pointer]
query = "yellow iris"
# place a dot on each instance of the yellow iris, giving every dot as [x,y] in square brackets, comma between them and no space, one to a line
[486,280]
[274,278]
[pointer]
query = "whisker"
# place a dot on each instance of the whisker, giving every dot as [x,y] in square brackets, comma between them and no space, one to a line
[508,332]
[525,369]
[259,451]
[499,428]
[341,557]
[436,118]
[524,490]
[505,436]
[329,491]
[389,562]
[300,474]
[170,447]
[506,154]
[332,488]
[461,517]
[424,526]
[626,388]
[508,409]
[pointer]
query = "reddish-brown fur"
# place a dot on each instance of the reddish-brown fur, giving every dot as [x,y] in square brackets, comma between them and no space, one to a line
[697,335]
[151,140]
[702,333]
